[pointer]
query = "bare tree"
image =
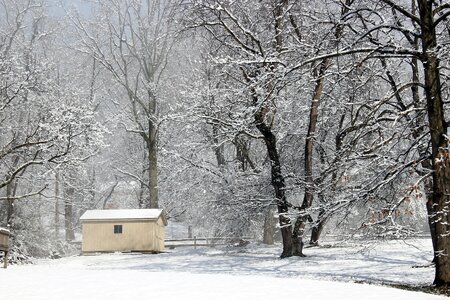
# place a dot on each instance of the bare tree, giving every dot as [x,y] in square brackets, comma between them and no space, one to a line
[320,72]
[430,20]
[134,48]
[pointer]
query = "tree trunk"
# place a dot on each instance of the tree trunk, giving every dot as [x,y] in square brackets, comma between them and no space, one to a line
[439,143]
[271,145]
[153,167]
[189,231]
[297,236]
[57,178]
[91,202]
[269,227]
[308,198]
[111,192]
[68,213]
[142,196]
[277,180]
[430,215]
[322,219]
[10,205]
[300,223]
[11,190]
[318,228]
[218,147]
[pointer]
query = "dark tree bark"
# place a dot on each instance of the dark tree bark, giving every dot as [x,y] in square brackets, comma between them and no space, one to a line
[9,205]
[153,167]
[323,216]
[418,127]
[277,178]
[318,228]
[308,198]
[279,186]
[418,131]
[439,142]
[242,153]
[300,223]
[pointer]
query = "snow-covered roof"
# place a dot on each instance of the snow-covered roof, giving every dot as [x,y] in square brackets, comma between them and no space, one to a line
[128,214]
[5,231]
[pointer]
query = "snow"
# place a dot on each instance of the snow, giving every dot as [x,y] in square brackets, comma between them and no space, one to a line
[253,272]
[109,214]
[138,284]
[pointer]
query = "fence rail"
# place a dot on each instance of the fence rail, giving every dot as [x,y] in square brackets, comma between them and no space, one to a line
[206,241]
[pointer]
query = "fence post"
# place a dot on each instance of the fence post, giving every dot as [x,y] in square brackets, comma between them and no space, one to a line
[195,242]
[5,259]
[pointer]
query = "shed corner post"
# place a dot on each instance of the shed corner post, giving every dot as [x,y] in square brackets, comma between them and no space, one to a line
[5,259]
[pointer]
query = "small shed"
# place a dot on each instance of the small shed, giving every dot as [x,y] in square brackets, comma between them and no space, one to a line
[4,245]
[125,230]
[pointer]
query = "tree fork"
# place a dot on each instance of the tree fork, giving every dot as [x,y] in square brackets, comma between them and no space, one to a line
[277,178]
[309,147]
[310,139]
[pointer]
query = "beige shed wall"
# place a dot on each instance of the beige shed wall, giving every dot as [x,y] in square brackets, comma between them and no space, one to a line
[136,236]
[3,240]
[159,233]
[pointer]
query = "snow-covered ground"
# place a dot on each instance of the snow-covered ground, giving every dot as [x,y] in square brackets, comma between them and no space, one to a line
[253,272]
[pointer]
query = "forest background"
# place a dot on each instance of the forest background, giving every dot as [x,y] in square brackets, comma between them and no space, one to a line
[269,118]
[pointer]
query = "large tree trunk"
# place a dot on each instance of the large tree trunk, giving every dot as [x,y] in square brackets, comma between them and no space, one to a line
[318,228]
[300,223]
[323,216]
[277,180]
[153,167]
[428,186]
[308,198]
[271,145]
[264,127]
[439,143]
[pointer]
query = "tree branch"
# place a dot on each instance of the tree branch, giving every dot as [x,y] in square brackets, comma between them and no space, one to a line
[402,10]
[24,196]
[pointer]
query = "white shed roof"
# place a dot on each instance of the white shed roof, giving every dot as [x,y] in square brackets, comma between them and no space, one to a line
[5,231]
[120,214]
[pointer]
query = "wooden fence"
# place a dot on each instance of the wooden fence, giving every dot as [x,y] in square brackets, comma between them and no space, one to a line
[206,242]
